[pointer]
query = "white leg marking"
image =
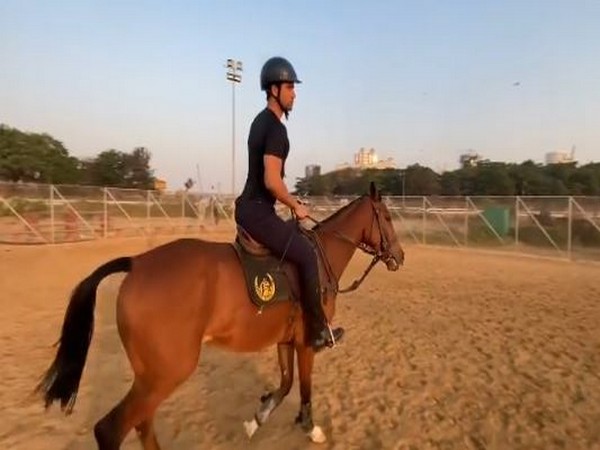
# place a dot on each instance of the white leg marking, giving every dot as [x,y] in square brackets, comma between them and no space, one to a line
[317,436]
[251,427]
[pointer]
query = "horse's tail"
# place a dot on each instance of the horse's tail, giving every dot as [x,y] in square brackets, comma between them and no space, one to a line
[61,380]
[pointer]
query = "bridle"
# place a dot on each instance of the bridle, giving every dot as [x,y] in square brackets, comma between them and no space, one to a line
[382,253]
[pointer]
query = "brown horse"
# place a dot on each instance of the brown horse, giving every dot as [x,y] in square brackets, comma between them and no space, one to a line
[181,294]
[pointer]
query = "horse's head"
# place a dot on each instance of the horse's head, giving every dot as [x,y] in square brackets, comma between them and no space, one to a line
[381,236]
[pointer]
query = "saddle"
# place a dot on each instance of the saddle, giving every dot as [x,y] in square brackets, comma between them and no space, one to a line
[270,280]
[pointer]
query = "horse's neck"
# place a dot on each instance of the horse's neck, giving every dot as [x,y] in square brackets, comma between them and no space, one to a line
[338,250]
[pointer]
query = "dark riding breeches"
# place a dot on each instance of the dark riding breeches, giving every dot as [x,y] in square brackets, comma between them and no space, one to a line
[265,226]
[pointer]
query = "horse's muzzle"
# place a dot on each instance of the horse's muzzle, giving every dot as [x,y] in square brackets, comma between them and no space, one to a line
[392,263]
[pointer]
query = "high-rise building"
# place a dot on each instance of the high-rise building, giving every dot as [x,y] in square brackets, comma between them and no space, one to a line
[364,157]
[368,159]
[312,170]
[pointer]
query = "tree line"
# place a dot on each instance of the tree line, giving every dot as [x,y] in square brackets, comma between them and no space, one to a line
[485,178]
[40,158]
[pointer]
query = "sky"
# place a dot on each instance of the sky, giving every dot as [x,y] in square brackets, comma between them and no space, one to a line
[420,81]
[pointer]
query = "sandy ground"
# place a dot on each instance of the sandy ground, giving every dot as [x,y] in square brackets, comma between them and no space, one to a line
[457,350]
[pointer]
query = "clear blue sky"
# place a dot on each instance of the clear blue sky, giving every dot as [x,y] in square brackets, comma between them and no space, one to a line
[419,81]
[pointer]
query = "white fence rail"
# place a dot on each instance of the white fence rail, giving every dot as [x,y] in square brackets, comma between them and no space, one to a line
[566,227]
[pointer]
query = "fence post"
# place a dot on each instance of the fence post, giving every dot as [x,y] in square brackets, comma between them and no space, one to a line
[423,230]
[516,221]
[570,228]
[467,220]
[148,212]
[105,218]
[52,235]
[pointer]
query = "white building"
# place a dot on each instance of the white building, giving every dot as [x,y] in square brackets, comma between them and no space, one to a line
[560,157]
[368,159]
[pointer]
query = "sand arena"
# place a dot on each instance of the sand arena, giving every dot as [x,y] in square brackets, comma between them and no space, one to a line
[457,350]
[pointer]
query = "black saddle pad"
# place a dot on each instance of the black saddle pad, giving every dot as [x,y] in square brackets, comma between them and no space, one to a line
[266,279]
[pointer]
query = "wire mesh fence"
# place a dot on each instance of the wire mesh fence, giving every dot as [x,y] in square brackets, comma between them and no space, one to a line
[565,227]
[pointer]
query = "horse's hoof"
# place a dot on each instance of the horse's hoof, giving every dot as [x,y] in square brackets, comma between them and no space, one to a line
[251,428]
[317,436]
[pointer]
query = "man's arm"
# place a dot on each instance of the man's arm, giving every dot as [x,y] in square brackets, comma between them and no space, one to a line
[275,184]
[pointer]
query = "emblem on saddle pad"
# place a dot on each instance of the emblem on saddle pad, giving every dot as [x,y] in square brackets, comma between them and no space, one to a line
[265,288]
[266,280]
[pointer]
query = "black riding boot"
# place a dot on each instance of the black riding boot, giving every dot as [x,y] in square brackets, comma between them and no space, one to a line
[320,335]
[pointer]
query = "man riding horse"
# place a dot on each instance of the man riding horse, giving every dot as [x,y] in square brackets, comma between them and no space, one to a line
[188,292]
[268,148]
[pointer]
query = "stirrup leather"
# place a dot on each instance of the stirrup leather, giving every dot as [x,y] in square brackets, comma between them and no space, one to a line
[333,343]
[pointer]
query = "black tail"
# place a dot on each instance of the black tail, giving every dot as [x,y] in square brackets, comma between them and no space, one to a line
[61,380]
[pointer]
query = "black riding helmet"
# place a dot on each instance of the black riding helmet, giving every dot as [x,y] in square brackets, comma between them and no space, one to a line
[275,71]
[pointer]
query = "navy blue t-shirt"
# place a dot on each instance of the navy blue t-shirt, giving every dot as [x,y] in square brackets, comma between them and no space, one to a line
[268,136]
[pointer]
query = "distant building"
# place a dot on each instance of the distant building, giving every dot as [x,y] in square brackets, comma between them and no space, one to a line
[365,158]
[368,159]
[160,185]
[312,170]
[470,159]
[560,157]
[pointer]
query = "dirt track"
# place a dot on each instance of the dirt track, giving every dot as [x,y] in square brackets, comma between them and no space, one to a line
[458,350]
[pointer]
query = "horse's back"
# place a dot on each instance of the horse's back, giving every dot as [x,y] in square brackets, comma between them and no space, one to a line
[199,285]
[183,254]
[186,247]
[176,273]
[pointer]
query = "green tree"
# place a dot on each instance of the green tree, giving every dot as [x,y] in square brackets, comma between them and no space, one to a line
[450,183]
[34,157]
[116,168]
[488,178]
[139,174]
[493,179]
[529,179]
[421,180]
[107,169]
[584,181]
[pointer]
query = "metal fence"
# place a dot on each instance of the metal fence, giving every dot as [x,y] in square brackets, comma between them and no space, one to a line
[565,227]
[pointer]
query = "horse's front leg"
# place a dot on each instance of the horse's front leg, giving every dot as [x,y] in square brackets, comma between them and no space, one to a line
[306,358]
[271,400]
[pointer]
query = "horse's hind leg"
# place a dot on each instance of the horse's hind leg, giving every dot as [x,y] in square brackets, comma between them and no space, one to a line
[271,400]
[146,434]
[135,410]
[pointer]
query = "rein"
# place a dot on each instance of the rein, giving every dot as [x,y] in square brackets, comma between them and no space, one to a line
[378,255]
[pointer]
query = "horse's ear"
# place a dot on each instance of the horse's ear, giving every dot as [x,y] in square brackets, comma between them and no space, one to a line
[374,193]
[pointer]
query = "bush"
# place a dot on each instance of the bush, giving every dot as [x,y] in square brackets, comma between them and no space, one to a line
[585,233]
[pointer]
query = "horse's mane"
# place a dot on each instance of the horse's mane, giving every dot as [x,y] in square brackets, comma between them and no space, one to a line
[338,213]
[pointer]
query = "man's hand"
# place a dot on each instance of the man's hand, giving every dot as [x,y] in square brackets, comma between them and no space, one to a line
[301,211]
